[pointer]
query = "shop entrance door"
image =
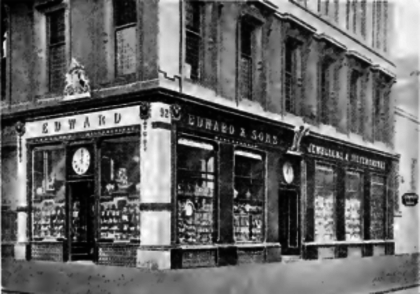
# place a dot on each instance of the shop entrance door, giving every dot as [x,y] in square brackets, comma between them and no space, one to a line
[81,209]
[289,222]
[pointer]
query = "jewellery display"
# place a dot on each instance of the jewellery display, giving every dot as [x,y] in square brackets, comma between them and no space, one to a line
[48,220]
[120,219]
[195,192]
[324,218]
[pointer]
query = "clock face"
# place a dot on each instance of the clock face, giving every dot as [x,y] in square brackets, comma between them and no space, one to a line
[288,172]
[81,161]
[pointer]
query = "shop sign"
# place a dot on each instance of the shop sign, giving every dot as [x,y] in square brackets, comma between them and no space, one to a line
[85,122]
[345,156]
[224,128]
[410,199]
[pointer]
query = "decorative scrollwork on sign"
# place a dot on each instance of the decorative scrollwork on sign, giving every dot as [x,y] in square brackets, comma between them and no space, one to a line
[20,131]
[175,112]
[77,84]
[145,110]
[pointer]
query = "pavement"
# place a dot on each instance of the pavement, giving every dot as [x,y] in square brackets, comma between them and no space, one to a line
[384,274]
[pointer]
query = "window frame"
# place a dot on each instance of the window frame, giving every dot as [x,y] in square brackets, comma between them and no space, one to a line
[361,174]
[384,207]
[198,33]
[194,140]
[116,28]
[63,43]
[247,58]
[263,158]
[335,169]
[290,75]
[355,101]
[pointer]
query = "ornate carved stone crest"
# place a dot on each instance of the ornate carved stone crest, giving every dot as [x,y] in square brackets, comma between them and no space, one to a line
[77,84]
[175,112]
[145,110]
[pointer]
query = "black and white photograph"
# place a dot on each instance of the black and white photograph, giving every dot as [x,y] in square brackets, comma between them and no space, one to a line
[210,146]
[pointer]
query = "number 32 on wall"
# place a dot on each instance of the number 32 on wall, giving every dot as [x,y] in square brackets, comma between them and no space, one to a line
[164,112]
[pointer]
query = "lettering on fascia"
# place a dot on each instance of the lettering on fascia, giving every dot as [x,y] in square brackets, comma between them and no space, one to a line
[230,129]
[344,156]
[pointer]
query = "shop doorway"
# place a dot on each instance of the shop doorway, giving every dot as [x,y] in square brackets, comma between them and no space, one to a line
[81,223]
[289,223]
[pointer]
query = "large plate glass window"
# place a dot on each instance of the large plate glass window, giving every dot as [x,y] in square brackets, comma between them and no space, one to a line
[377,208]
[249,195]
[325,201]
[120,189]
[48,194]
[354,206]
[195,191]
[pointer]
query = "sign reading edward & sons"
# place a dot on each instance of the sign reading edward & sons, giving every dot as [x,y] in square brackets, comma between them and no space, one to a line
[225,128]
[345,156]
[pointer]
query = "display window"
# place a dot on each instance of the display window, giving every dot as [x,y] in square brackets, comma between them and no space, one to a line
[325,202]
[377,208]
[354,206]
[195,191]
[120,189]
[249,196]
[48,200]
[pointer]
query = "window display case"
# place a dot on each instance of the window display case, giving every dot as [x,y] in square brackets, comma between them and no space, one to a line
[325,197]
[195,192]
[48,201]
[248,205]
[377,208]
[120,190]
[353,206]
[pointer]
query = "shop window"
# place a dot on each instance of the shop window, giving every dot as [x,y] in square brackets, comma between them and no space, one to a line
[353,206]
[249,195]
[325,202]
[125,18]
[120,189]
[48,201]
[377,208]
[56,50]
[246,54]
[193,38]
[195,191]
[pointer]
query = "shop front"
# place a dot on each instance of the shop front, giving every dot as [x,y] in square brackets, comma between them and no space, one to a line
[179,186]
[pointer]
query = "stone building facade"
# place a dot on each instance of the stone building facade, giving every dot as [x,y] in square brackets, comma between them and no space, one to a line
[174,134]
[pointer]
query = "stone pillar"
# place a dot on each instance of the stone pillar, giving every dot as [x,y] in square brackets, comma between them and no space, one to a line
[343,70]
[21,195]
[368,107]
[155,191]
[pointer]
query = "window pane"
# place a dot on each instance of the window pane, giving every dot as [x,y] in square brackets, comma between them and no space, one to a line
[246,77]
[195,187]
[249,195]
[126,50]
[57,27]
[57,68]
[120,189]
[353,209]
[377,211]
[125,12]
[49,194]
[325,195]
[193,53]
[192,10]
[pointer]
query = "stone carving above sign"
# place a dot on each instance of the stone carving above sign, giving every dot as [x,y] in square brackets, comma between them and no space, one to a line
[77,84]
[300,132]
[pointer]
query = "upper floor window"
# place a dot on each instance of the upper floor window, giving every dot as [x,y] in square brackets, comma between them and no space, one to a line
[325,92]
[125,19]
[378,114]
[193,38]
[363,11]
[246,62]
[289,75]
[355,103]
[56,50]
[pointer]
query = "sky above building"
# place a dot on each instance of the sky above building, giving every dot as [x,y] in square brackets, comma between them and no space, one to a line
[405,54]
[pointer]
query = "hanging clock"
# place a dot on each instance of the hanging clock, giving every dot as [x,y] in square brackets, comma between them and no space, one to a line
[288,172]
[81,161]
